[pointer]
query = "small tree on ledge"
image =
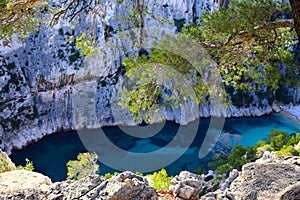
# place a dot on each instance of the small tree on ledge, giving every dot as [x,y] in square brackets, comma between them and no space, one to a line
[85,165]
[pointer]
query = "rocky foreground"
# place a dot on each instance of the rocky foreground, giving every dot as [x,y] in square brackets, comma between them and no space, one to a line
[267,178]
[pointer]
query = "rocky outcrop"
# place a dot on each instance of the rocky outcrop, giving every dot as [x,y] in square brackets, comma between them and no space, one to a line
[265,179]
[23,185]
[294,111]
[126,185]
[186,185]
[5,163]
[269,178]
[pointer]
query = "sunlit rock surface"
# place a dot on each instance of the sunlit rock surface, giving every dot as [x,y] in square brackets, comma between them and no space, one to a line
[268,178]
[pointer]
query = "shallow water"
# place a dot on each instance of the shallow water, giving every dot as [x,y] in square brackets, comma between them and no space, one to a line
[50,154]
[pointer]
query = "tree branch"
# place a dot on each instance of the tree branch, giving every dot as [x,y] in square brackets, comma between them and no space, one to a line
[250,33]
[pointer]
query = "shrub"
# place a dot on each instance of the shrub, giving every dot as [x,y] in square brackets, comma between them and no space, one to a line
[109,175]
[161,180]
[29,166]
[279,141]
[85,165]
[6,166]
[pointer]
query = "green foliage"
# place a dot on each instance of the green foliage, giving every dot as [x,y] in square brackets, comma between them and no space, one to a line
[163,79]
[281,142]
[6,166]
[248,42]
[287,151]
[143,98]
[139,173]
[239,156]
[85,165]
[277,139]
[29,166]
[109,175]
[21,17]
[200,171]
[86,44]
[224,170]
[161,180]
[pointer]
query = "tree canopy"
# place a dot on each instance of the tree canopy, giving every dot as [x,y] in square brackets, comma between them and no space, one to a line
[249,40]
[252,42]
[18,15]
[84,165]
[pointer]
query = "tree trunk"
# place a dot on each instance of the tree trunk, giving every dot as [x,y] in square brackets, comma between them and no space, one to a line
[295,4]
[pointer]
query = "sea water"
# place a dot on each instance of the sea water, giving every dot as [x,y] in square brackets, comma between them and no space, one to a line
[50,154]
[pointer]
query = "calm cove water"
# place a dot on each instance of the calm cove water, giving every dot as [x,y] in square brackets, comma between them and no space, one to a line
[50,154]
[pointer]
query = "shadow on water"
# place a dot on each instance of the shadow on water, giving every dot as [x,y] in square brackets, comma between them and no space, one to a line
[50,154]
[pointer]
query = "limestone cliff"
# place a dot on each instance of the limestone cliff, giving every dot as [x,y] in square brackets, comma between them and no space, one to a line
[37,76]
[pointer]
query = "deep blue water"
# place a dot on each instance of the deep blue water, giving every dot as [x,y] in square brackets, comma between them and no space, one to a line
[50,154]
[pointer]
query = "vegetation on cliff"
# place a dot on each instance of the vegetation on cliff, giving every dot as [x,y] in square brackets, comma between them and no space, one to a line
[253,44]
[250,41]
[84,165]
[6,165]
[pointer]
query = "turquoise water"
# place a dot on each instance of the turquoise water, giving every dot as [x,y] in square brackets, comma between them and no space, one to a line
[50,154]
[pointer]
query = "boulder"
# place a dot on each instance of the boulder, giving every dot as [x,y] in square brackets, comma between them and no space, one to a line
[126,185]
[266,179]
[22,184]
[186,185]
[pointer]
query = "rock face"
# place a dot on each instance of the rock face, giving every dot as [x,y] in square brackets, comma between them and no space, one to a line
[186,185]
[5,162]
[20,185]
[38,77]
[265,179]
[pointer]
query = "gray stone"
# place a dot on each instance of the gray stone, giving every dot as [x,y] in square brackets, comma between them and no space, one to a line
[266,179]
[232,175]
[186,185]
[21,184]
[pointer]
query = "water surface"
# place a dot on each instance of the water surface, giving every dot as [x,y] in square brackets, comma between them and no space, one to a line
[50,154]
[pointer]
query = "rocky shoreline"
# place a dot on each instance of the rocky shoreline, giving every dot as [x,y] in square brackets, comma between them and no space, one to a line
[294,112]
[42,127]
